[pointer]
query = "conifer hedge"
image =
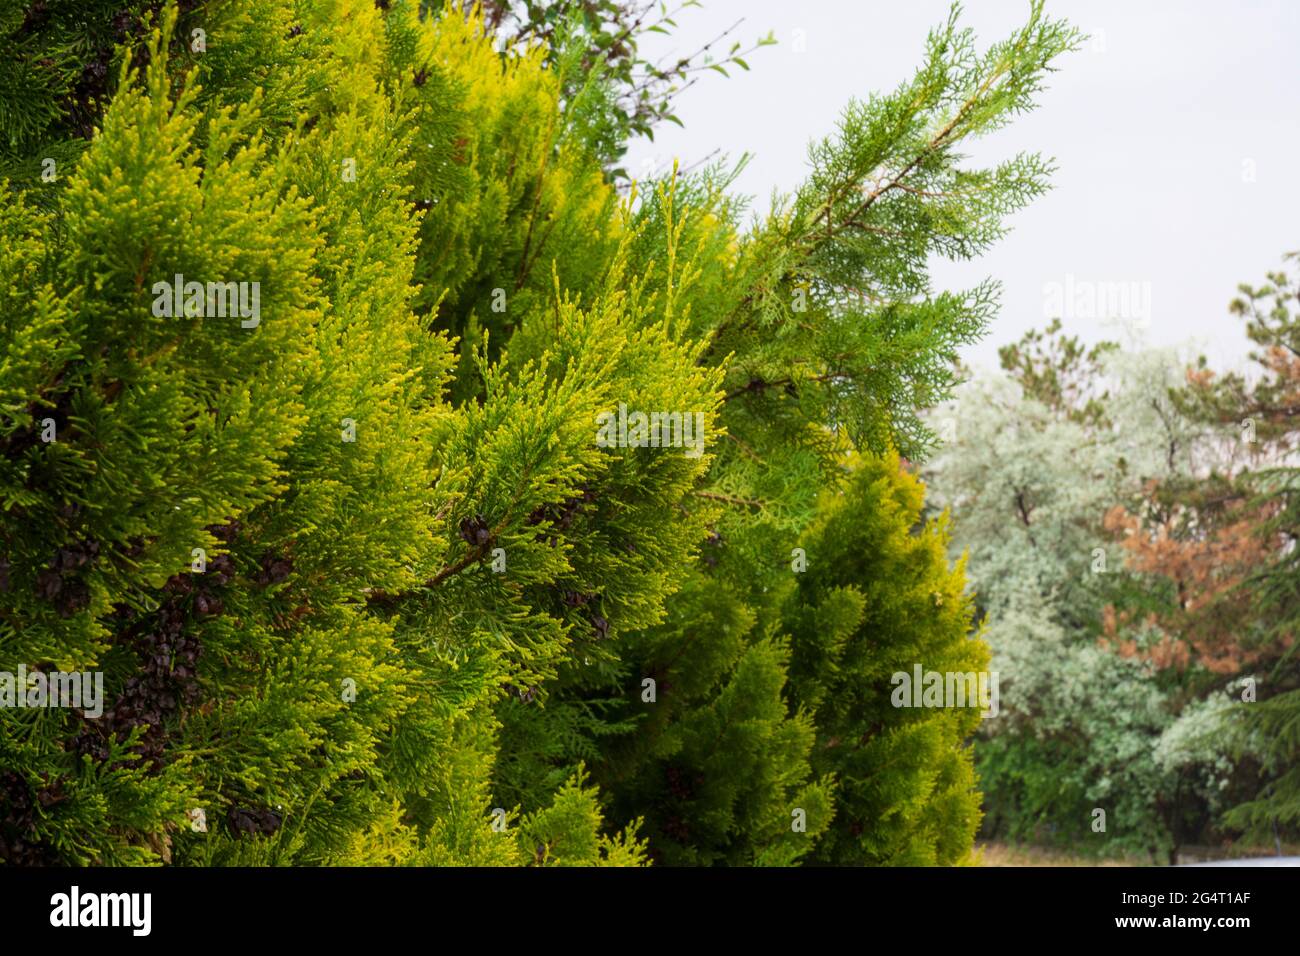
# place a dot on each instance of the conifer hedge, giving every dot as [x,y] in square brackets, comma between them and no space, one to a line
[311,316]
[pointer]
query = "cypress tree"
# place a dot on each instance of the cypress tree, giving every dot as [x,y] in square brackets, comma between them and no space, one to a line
[366,537]
[878,600]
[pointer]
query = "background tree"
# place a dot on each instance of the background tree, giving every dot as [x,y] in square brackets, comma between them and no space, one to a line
[1068,479]
[596,46]
[1260,409]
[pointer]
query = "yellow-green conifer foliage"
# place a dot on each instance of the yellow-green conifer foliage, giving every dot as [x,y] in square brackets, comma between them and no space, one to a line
[364,580]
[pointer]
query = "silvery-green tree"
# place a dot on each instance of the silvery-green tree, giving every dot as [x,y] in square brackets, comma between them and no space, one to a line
[1039,455]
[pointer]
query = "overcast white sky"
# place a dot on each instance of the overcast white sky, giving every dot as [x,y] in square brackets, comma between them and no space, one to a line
[1176,130]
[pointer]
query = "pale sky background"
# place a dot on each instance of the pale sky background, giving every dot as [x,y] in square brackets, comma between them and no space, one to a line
[1176,131]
